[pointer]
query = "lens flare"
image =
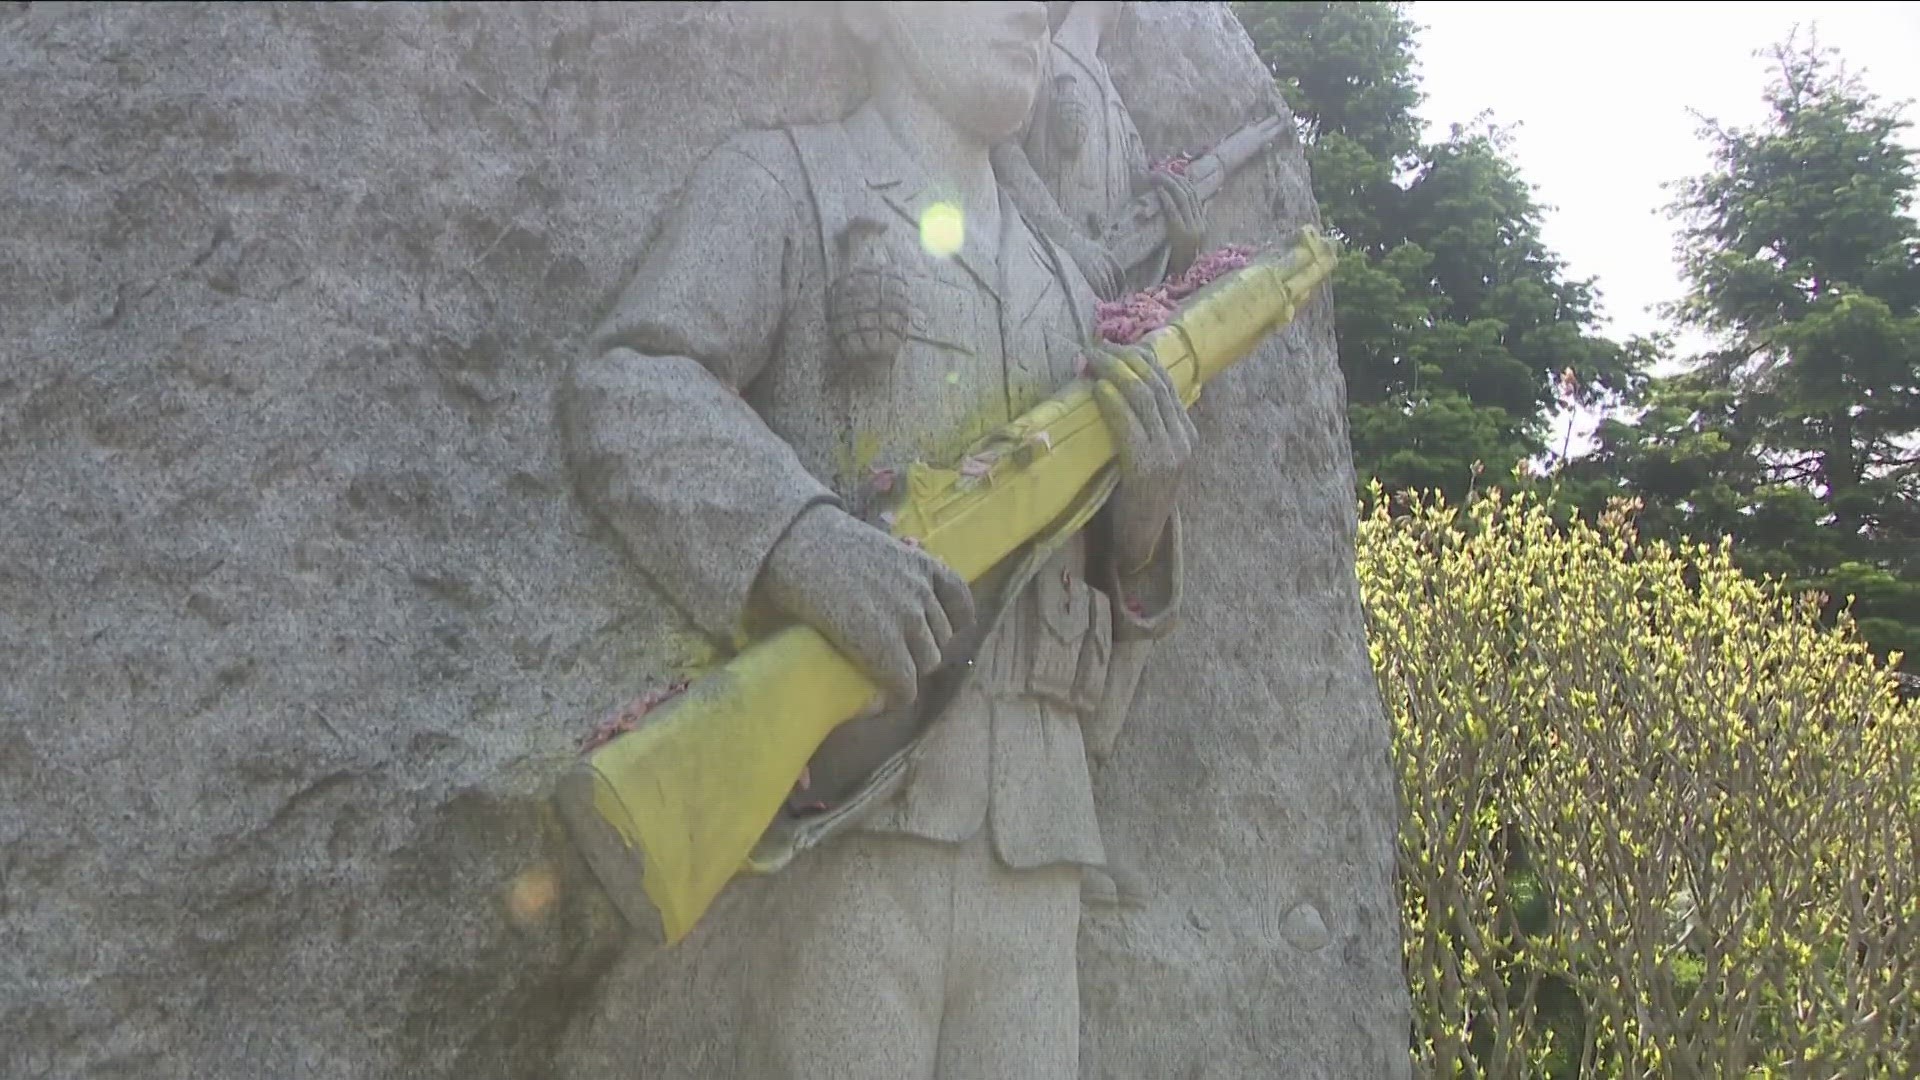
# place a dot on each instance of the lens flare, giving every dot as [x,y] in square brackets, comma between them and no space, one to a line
[943,229]
[532,895]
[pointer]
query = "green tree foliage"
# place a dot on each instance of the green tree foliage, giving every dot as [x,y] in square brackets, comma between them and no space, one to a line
[1456,325]
[1799,434]
[1659,817]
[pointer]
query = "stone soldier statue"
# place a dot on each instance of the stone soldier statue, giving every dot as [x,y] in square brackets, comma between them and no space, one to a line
[823,305]
[1080,160]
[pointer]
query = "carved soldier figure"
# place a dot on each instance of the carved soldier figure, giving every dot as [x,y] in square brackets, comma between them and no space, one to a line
[825,304]
[1080,159]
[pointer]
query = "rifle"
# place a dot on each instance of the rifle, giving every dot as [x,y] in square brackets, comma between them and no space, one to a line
[667,814]
[1140,229]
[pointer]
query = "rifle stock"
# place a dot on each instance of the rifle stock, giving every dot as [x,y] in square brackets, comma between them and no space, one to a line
[667,814]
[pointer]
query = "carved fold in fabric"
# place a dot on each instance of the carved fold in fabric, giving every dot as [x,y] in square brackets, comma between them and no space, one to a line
[1066,613]
[1157,595]
[1090,678]
[1147,604]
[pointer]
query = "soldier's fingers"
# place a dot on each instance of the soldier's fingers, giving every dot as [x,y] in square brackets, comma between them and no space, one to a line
[921,645]
[1179,200]
[1132,388]
[1120,417]
[1174,417]
[1189,206]
[1109,274]
[1184,435]
[1113,408]
[1170,207]
[1166,403]
[894,669]
[1120,407]
[935,614]
[1108,366]
[1146,366]
[955,598]
[939,627]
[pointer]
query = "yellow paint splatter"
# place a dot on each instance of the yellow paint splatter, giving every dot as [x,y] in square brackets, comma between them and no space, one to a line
[689,653]
[943,229]
[856,455]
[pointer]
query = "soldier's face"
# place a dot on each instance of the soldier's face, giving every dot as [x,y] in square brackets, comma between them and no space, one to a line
[979,62]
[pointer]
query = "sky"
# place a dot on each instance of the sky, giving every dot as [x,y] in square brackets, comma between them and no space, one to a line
[1600,100]
[1598,97]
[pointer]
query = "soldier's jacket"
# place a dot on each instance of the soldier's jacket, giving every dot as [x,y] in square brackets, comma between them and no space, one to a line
[710,409]
[1092,176]
[1082,143]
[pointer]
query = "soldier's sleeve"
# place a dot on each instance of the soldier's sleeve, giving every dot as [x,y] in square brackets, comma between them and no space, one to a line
[662,443]
[1146,604]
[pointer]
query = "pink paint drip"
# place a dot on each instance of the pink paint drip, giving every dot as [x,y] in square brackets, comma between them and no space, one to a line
[628,717]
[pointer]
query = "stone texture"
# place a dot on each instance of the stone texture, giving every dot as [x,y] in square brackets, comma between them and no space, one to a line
[296,608]
[1255,777]
[299,613]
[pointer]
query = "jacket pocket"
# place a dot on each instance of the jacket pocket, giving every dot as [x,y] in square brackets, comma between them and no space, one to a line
[1090,684]
[1070,641]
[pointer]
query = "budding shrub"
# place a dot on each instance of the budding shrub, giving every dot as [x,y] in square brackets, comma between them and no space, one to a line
[1657,819]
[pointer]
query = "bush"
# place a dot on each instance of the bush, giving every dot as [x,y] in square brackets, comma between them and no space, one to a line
[1657,819]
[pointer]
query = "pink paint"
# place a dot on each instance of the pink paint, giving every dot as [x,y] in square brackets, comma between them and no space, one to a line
[1130,318]
[628,717]
[1174,166]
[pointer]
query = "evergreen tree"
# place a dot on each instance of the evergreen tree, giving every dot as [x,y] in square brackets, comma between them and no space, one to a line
[1799,434]
[1456,326]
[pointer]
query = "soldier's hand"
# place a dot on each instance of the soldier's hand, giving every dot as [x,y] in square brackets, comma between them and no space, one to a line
[1185,217]
[1156,439]
[889,607]
[1098,265]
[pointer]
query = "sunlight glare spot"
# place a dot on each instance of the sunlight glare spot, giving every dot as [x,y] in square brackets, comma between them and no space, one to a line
[943,229]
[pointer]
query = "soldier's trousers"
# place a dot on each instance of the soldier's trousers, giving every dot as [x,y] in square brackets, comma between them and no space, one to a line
[896,958]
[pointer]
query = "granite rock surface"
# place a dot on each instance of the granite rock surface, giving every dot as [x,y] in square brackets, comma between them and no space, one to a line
[299,614]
